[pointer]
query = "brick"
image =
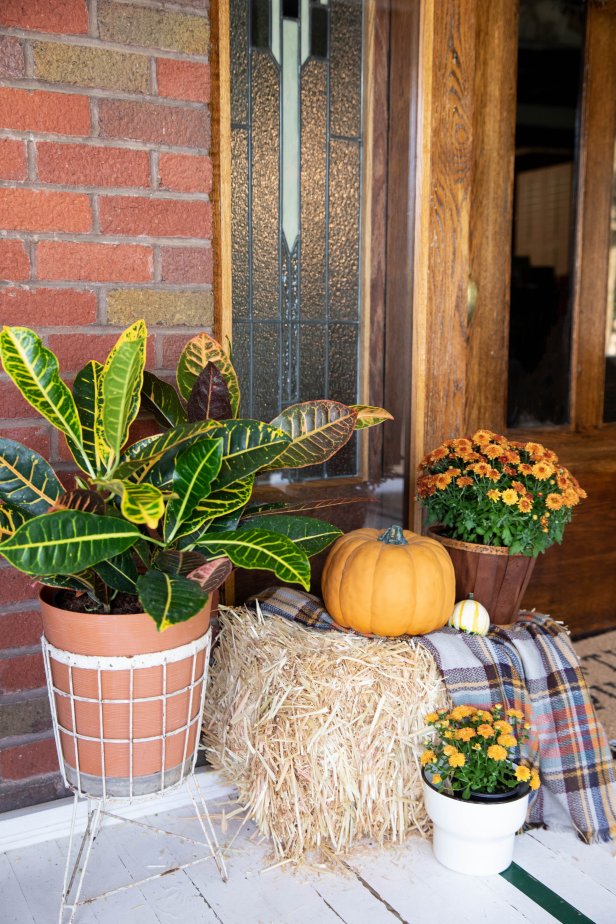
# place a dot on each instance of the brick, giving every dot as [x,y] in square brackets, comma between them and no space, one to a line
[187,264]
[14,262]
[134,25]
[41,210]
[67,16]
[35,437]
[22,672]
[20,630]
[90,67]
[29,716]
[154,123]
[42,307]
[25,793]
[173,345]
[12,407]
[74,350]
[185,172]
[16,587]
[11,57]
[183,80]
[43,111]
[138,215]
[13,160]
[94,262]
[91,165]
[29,759]
[157,306]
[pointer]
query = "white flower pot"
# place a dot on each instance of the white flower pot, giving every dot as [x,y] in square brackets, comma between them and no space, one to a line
[474,837]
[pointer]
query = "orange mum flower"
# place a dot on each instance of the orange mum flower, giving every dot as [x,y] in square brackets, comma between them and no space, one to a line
[458,760]
[449,749]
[522,774]
[515,713]
[493,494]
[481,468]
[570,498]
[427,758]
[493,451]
[554,501]
[486,731]
[482,437]
[464,481]
[437,454]
[534,781]
[519,487]
[497,752]
[525,468]
[442,481]
[543,470]
[525,505]
[465,734]
[509,497]
[493,474]
[507,741]
[503,727]
[535,450]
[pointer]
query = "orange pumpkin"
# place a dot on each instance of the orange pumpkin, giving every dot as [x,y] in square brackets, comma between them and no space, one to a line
[389,583]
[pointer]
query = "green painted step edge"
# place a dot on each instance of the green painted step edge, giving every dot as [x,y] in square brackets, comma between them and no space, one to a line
[546,898]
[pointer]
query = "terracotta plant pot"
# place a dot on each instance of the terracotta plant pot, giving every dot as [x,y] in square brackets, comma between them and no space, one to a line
[135,725]
[496,579]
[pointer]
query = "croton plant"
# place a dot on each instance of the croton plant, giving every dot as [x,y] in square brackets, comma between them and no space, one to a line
[165,519]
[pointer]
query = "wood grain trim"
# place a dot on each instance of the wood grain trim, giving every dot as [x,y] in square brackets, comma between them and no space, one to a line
[221,164]
[594,198]
[374,203]
[494,119]
[442,259]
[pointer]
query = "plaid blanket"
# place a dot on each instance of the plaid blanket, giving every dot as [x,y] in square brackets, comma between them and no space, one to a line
[530,665]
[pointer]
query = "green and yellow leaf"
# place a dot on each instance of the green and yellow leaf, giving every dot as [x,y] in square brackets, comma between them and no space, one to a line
[34,370]
[369,416]
[119,572]
[195,469]
[67,542]
[88,396]
[27,480]
[249,445]
[168,598]
[197,353]
[11,518]
[139,503]
[317,430]
[163,400]
[307,533]
[257,549]
[142,457]
[121,387]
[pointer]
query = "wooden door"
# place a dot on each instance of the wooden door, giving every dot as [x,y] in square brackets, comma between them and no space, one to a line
[463,258]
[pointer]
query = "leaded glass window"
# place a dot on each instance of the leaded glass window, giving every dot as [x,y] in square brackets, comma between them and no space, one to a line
[296,127]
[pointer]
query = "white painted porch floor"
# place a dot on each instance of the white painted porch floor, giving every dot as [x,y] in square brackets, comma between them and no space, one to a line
[389,886]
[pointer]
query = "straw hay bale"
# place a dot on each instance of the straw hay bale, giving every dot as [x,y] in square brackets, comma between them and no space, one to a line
[320,731]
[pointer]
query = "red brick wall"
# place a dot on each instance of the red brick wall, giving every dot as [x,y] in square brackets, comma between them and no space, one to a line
[105,217]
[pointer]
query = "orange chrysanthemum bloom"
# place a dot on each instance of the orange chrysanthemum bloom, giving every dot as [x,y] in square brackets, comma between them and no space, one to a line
[525,504]
[437,454]
[543,470]
[464,481]
[493,450]
[484,715]
[431,718]
[535,450]
[453,471]
[461,712]
[510,497]
[550,456]
[462,445]
[519,487]
[515,713]
[482,437]
[503,727]
[465,734]
[442,481]
[534,781]
[497,752]
[493,494]
[562,481]
[457,760]
[570,498]
[449,749]
[554,501]
[525,468]
[493,474]
[427,758]
[437,778]
[522,774]
[507,741]
[486,731]
[481,468]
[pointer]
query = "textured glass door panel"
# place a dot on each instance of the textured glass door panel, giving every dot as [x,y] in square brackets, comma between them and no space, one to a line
[296,204]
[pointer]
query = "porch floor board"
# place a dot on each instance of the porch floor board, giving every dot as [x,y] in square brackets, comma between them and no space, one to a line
[396,885]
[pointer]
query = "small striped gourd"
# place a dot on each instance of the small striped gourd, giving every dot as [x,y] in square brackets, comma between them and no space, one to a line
[390,582]
[470,616]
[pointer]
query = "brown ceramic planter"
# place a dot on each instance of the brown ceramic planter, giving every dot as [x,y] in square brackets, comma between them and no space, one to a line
[496,579]
[124,636]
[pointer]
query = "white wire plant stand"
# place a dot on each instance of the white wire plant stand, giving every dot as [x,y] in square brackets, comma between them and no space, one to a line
[105,794]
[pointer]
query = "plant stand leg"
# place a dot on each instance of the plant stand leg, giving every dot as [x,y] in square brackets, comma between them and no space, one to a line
[203,816]
[79,867]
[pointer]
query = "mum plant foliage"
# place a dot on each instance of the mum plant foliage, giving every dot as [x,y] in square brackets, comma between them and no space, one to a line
[473,749]
[163,519]
[490,490]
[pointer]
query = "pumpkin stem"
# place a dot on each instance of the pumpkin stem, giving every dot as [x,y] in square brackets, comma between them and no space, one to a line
[393,536]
